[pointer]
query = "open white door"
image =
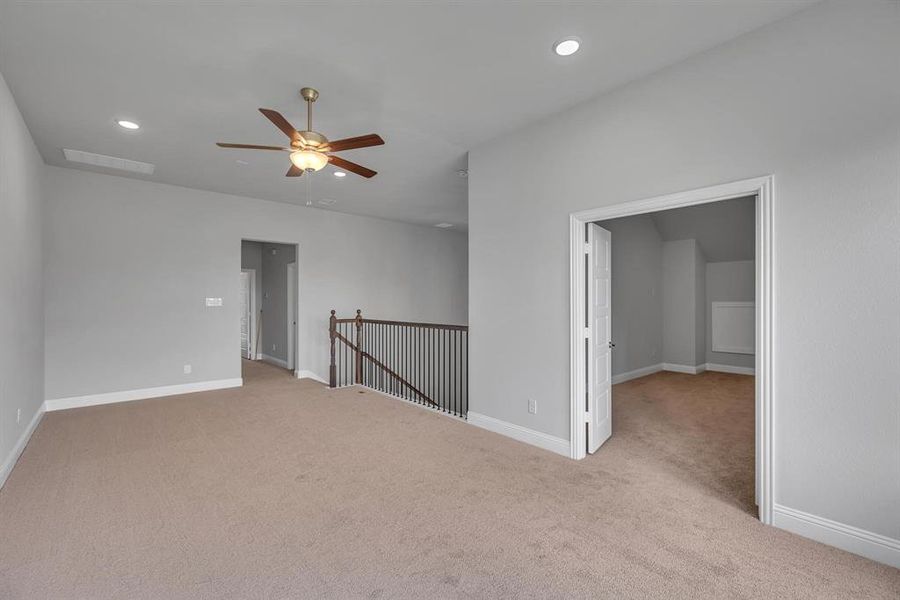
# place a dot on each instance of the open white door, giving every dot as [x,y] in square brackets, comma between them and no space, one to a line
[246,317]
[292,316]
[599,344]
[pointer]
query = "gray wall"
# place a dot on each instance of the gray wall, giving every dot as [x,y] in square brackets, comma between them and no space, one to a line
[21,290]
[729,282]
[275,258]
[636,250]
[813,99]
[679,302]
[129,263]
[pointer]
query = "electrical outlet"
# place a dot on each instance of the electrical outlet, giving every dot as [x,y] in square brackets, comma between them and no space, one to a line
[187,369]
[18,415]
[532,406]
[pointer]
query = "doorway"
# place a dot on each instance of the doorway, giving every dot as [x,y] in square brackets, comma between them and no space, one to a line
[591,375]
[270,287]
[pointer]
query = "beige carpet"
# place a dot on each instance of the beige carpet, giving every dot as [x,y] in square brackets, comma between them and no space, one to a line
[285,489]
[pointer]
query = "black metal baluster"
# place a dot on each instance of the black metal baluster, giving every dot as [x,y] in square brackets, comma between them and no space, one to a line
[459,376]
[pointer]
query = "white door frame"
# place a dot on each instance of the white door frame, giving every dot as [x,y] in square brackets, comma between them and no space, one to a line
[252,340]
[292,295]
[763,188]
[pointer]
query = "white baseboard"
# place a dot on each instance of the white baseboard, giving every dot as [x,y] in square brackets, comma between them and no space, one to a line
[642,372]
[142,394]
[689,369]
[730,369]
[309,375]
[274,361]
[846,537]
[428,407]
[10,461]
[522,434]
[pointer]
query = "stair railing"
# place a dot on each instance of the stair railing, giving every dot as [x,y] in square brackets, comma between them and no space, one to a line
[425,363]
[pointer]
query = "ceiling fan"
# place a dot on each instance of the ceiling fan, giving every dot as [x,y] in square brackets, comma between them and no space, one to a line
[310,150]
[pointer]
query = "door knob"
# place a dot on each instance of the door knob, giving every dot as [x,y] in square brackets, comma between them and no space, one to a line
[611,345]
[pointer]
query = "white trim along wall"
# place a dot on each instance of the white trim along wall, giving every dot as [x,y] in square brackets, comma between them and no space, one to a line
[140,394]
[762,188]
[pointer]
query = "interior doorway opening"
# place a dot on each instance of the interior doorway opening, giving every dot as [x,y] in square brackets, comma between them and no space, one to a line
[269,303]
[723,329]
[675,301]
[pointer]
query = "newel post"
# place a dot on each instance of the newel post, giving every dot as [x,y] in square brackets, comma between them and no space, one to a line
[359,341]
[332,370]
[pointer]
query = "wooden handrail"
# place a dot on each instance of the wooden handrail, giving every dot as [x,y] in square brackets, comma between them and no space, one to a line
[407,324]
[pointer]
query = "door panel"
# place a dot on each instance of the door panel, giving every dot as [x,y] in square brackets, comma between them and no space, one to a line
[599,384]
[245,314]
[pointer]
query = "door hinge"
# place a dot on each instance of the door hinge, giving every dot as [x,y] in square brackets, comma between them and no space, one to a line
[587,248]
[587,417]
[587,332]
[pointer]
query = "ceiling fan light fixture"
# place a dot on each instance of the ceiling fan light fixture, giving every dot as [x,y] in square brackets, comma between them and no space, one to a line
[309,160]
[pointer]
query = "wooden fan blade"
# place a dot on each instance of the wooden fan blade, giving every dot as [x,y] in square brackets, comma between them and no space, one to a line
[363,141]
[282,124]
[252,146]
[294,171]
[351,166]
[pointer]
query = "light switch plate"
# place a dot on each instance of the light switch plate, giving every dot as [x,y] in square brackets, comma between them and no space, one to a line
[213,302]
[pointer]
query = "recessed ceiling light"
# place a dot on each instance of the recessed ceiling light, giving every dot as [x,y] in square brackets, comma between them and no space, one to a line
[567,47]
[444,225]
[340,174]
[241,162]
[128,124]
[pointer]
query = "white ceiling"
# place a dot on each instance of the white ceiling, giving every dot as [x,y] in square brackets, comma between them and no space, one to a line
[434,79]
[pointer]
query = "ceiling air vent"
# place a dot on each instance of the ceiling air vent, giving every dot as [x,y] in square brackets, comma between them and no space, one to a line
[108,162]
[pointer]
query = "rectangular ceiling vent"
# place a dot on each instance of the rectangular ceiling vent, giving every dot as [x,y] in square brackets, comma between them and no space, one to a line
[109,162]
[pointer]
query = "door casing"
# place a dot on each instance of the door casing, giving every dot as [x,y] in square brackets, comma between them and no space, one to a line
[763,189]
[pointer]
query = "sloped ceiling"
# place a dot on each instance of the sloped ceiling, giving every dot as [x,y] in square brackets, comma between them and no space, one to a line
[725,230]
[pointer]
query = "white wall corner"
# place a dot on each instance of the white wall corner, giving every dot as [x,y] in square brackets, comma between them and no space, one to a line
[846,537]
[303,374]
[522,434]
[141,394]
[274,361]
[642,372]
[689,369]
[10,460]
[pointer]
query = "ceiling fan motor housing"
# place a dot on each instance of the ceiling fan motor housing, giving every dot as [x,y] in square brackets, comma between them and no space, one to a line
[313,139]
